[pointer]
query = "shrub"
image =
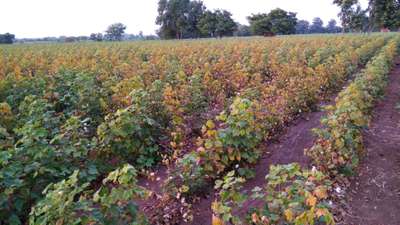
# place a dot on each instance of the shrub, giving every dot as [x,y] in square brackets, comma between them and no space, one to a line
[132,134]
[70,202]
[45,151]
[339,144]
[293,196]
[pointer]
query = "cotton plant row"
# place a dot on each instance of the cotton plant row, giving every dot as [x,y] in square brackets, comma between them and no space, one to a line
[93,108]
[295,195]
[234,136]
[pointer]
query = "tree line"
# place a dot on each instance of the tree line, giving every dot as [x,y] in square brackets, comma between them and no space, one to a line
[7,38]
[380,15]
[317,26]
[191,19]
[179,19]
[114,32]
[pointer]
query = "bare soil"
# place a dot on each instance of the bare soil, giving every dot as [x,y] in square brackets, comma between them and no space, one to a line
[287,148]
[374,195]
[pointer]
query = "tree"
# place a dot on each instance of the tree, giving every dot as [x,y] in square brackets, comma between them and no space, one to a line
[208,24]
[195,12]
[282,22]
[346,12]
[225,24]
[179,18]
[359,20]
[384,14]
[242,30]
[70,39]
[332,27]
[278,21]
[7,38]
[317,26]
[217,24]
[96,37]
[302,27]
[260,24]
[115,32]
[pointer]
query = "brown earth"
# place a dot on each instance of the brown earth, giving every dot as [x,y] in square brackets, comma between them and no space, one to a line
[287,148]
[374,195]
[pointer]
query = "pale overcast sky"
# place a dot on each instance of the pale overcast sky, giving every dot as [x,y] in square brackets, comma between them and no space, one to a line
[40,18]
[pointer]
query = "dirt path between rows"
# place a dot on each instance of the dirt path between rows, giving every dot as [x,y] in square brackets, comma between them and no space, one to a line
[288,148]
[374,195]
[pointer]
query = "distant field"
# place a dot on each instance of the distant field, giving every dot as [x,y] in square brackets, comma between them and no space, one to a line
[92,120]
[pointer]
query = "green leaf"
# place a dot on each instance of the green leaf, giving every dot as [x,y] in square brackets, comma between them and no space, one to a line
[14,220]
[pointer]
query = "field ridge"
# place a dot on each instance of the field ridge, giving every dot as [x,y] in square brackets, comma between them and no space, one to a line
[374,195]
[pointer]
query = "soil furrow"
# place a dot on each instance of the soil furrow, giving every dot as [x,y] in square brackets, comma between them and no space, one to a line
[374,195]
[287,148]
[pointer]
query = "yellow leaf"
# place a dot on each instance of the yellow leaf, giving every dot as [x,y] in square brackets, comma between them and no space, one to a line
[211,133]
[238,156]
[321,192]
[321,212]
[218,144]
[173,144]
[336,134]
[216,220]
[311,200]
[199,142]
[203,129]
[289,215]
[184,189]
[208,144]
[339,143]
[210,124]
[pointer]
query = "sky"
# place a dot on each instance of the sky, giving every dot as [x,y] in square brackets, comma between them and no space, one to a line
[42,18]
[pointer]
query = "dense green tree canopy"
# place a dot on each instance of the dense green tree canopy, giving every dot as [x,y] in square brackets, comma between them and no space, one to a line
[190,19]
[195,13]
[217,24]
[7,38]
[302,27]
[385,14]
[208,24]
[260,24]
[278,21]
[346,12]
[317,26]
[382,14]
[115,32]
[242,30]
[359,20]
[96,37]
[282,22]
[179,18]
[332,27]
